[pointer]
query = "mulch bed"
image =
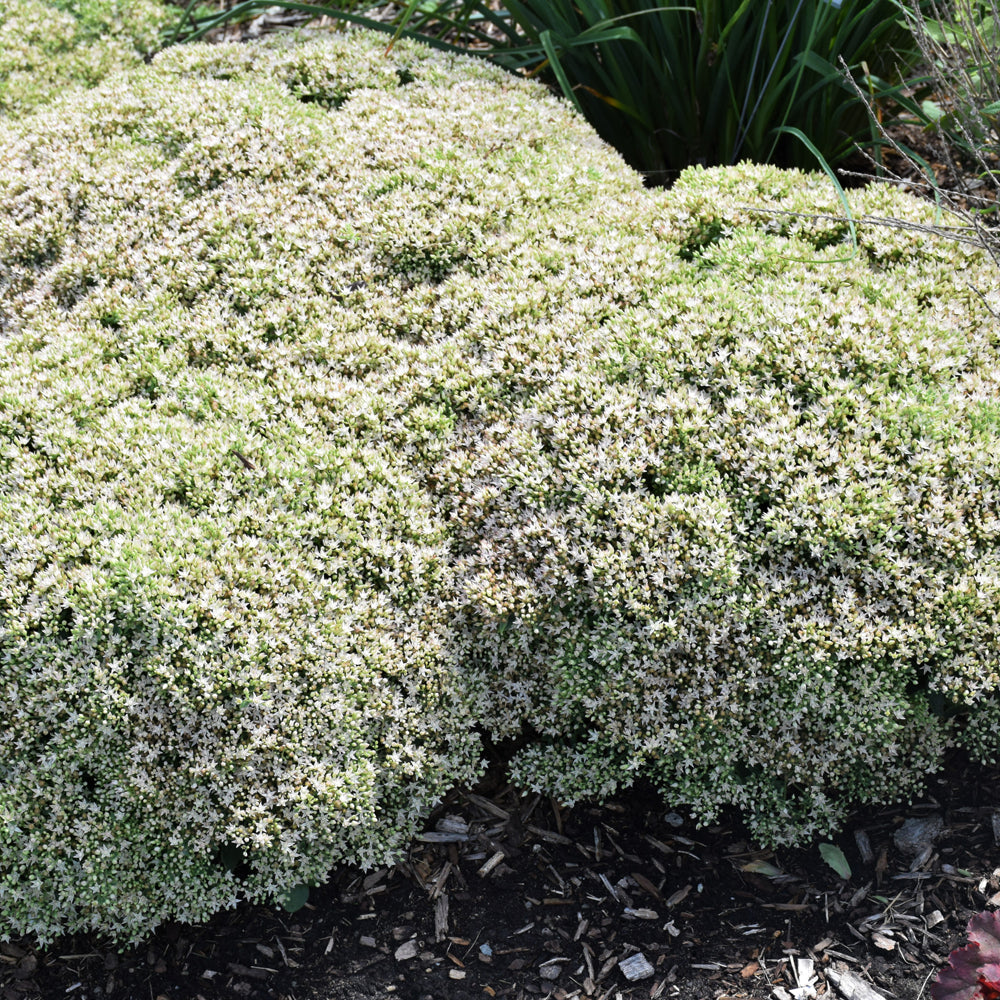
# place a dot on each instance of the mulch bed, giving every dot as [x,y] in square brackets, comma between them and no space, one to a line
[512,897]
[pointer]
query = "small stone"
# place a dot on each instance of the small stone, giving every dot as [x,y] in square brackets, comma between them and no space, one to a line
[917,835]
[367,941]
[456,973]
[550,971]
[407,950]
[635,967]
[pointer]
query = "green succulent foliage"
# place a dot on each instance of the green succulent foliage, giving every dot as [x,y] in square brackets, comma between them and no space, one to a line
[295,898]
[333,432]
[47,46]
[674,84]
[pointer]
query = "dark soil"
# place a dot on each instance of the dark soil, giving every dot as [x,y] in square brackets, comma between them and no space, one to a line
[530,901]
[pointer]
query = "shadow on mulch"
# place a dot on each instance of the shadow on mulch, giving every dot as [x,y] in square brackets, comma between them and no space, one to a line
[511,897]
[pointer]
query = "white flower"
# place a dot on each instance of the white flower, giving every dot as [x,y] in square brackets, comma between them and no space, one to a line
[332,430]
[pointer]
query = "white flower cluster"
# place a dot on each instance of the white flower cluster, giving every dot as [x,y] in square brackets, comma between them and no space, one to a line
[46,48]
[349,403]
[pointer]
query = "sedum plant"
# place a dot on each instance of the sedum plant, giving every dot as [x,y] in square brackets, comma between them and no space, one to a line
[49,45]
[674,84]
[355,406]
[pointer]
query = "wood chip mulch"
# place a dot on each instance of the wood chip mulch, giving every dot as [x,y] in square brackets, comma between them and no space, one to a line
[510,896]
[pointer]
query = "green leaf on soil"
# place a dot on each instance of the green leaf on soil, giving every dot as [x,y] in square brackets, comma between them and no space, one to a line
[834,857]
[762,868]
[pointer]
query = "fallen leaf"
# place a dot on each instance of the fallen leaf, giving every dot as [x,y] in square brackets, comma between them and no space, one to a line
[762,868]
[834,857]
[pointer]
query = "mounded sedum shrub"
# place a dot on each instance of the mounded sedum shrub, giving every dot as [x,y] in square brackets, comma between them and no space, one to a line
[351,403]
[48,46]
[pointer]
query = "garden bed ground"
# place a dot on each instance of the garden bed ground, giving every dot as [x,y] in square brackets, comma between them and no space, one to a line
[531,901]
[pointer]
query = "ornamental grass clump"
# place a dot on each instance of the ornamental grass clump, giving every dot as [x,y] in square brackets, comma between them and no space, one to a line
[354,407]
